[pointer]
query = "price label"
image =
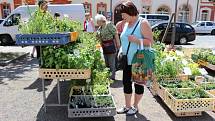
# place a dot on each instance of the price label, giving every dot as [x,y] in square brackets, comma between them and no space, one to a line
[213,51]
[179,53]
[184,62]
[203,71]
[187,71]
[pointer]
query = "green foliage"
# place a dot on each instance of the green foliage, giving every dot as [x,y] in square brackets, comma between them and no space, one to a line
[205,55]
[158,46]
[156,35]
[167,63]
[104,101]
[177,84]
[208,86]
[100,89]
[194,69]
[78,55]
[45,23]
[193,94]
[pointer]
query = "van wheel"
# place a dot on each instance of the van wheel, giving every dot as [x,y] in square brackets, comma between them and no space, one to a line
[183,40]
[5,40]
[213,32]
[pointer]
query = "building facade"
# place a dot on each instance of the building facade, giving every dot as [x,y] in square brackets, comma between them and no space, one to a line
[188,10]
[207,10]
[5,8]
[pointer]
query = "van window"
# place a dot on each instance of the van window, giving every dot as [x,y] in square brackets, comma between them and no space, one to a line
[143,16]
[202,24]
[1,20]
[13,20]
[158,17]
[209,24]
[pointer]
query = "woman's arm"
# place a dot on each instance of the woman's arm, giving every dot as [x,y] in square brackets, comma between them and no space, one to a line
[147,33]
[117,40]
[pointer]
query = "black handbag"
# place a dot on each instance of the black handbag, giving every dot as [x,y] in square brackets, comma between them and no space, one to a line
[123,59]
[108,46]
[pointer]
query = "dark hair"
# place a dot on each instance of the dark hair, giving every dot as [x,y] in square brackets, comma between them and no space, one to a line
[128,8]
[56,14]
[41,2]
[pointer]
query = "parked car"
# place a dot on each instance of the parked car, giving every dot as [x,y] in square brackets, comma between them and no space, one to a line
[9,27]
[184,32]
[204,27]
[1,20]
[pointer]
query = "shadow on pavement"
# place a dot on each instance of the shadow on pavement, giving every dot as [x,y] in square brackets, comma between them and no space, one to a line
[205,116]
[116,84]
[18,68]
[38,85]
[137,117]
[60,113]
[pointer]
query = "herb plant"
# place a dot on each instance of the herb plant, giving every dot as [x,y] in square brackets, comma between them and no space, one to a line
[192,94]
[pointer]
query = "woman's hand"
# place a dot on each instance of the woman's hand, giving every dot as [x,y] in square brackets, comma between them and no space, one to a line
[147,42]
[134,39]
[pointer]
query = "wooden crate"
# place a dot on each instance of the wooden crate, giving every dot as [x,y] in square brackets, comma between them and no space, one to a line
[160,91]
[179,77]
[64,73]
[189,105]
[213,93]
[153,88]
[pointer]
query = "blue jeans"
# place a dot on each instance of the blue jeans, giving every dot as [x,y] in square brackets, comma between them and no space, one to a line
[110,62]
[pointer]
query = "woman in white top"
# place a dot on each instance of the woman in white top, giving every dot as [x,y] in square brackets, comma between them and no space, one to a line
[89,24]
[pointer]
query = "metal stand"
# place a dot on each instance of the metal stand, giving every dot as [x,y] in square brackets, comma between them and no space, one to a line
[45,104]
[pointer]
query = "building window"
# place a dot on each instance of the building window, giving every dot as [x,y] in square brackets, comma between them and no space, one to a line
[30,2]
[102,8]
[184,14]
[5,10]
[146,9]
[88,7]
[204,15]
[163,10]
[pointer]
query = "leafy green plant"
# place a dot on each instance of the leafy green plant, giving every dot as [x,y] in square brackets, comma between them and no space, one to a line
[45,23]
[205,55]
[156,35]
[194,69]
[177,84]
[104,101]
[100,90]
[208,86]
[192,94]
[100,77]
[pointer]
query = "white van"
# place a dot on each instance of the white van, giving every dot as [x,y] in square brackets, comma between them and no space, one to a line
[9,27]
[156,18]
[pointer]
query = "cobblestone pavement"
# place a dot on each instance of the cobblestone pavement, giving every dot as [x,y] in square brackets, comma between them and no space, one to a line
[21,99]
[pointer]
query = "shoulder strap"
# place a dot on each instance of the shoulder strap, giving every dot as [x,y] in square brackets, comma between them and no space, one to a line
[131,34]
